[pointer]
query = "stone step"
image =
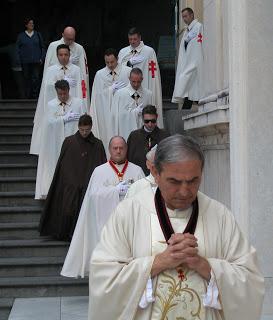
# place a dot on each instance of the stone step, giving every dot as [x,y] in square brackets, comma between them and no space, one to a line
[22,198]
[20,214]
[19,104]
[14,146]
[19,230]
[24,287]
[5,307]
[31,266]
[15,137]
[17,157]
[17,183]
[30,112]
[18,170]
[42,247]
[16,119]
[18,128]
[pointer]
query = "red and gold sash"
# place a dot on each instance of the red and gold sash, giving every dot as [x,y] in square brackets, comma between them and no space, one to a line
[121,173]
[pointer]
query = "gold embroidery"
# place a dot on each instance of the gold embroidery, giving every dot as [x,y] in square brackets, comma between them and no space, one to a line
[177,293]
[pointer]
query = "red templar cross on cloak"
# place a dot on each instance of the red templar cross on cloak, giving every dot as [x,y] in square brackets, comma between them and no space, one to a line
[200,37]
[83,89]
[152,68]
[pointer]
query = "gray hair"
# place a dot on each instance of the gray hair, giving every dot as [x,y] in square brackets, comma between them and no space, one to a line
[150,155]
[177,148]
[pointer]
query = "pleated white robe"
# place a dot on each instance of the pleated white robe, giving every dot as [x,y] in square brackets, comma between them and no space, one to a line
[47,93]
[53,133]
[125,117]
[101,101]
[101,198]
[77,57]
[151,73]
[189,73]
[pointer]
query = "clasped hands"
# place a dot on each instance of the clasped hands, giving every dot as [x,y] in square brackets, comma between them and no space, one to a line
[182,250]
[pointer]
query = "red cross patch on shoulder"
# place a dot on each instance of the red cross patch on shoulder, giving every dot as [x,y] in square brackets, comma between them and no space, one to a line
[200,37]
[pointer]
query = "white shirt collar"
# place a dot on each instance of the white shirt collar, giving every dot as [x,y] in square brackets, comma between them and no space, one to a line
[138,48]
[116,70]
[29,34]
[68,102]
[132,90]
[190,26]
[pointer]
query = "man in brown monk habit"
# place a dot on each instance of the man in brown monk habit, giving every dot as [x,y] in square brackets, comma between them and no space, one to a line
[81,153]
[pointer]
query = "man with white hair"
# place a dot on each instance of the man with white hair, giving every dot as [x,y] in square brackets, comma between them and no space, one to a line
[177,254]
[146,182]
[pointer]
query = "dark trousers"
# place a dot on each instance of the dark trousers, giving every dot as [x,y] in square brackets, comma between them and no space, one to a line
[31,73]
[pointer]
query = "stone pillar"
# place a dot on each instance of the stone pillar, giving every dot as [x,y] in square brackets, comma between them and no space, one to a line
[251,128]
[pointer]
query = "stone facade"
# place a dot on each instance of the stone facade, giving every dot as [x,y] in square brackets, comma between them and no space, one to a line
[234,120]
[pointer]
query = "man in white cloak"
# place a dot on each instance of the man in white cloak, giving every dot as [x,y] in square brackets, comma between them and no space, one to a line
[139,55]
[176,255]
[107,81]
[146,182]
[77,57]
[107,187]
[189,73]
[128,104]
[62,70]
[60,121]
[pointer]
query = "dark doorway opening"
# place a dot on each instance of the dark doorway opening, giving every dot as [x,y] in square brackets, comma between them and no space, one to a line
[100,24]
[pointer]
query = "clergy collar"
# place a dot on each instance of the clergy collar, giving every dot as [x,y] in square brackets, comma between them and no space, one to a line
[132,90]
[68,102]
[148,131]
[190,26]
[68,66]
[116,70]
[138,48]
[178,213]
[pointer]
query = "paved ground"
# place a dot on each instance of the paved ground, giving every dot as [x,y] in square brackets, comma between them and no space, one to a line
[55,308]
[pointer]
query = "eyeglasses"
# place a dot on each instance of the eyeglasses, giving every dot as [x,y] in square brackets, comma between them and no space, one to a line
[150,120]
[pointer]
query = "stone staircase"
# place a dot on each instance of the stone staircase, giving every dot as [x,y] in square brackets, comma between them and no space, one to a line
[29,264]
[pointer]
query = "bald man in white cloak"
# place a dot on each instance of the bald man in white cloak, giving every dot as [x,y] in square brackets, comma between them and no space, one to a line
[77,57]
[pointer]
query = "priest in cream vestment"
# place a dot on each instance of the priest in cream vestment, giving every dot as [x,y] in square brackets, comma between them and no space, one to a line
[107,187]
[146,182]
[113,77]
[175,255]
[139,55]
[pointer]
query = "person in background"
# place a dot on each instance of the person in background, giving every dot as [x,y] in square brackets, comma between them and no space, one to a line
[30,54]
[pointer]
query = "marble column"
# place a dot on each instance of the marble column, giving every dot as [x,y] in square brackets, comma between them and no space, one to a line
[251,134]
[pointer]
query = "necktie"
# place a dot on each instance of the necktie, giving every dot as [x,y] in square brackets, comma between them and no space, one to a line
[64,68]
[113,73]
[63,104]
[135,96]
